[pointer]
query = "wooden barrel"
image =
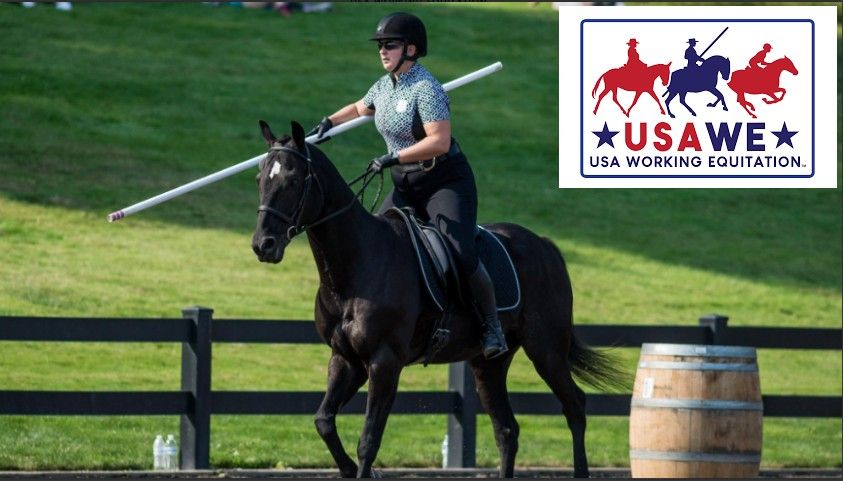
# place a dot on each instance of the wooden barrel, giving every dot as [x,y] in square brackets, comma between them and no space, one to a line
[696,412]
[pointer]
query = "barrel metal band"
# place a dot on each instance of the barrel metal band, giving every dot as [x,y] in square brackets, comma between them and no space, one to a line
[699,366]
[695,456]
[696,404]
[698,350]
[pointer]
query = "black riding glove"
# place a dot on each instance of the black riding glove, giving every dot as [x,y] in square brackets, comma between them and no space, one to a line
[385,161]
[320,129]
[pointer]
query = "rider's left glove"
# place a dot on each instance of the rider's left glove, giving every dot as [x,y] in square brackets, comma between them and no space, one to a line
[385,161]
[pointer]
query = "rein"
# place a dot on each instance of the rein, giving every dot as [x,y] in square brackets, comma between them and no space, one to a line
[295,220]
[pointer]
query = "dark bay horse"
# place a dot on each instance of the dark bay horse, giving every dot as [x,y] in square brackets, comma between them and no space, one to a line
[633,80]
[699,79]
[372,310]
[765,81]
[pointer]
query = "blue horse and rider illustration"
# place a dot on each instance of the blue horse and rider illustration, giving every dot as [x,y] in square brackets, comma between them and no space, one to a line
[700,74]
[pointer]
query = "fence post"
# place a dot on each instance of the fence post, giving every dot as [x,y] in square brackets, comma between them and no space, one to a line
[195,425]
[462,422]
[717,325]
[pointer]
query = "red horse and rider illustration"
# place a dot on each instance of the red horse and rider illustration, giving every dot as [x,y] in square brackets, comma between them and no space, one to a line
[634,76]
[699,75]
[761,78]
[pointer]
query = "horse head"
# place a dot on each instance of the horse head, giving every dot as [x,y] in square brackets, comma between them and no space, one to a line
[664,72]
[787,65]
[723,67]
[287,191]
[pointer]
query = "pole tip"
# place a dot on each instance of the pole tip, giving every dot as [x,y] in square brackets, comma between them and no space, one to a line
[116,216]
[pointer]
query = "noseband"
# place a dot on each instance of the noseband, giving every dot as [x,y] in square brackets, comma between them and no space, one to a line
[295,220]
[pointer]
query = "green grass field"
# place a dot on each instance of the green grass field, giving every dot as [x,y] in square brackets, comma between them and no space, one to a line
[113,103]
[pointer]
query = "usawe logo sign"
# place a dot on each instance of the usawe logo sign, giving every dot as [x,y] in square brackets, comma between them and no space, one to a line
[698,97]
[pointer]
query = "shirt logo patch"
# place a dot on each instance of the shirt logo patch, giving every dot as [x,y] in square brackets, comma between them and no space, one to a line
[401,106]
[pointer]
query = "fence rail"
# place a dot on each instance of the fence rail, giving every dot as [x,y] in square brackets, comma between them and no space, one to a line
[196,401]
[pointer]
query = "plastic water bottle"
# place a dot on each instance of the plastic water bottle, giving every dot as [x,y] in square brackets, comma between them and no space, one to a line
[445,451]
[171,453]
[158,452]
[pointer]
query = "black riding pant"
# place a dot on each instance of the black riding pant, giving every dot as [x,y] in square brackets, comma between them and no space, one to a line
[445,196]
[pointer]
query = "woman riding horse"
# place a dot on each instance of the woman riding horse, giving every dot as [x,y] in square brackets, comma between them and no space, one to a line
[430,173]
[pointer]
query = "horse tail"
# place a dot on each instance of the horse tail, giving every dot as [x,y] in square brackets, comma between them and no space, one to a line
[598,368]
[595,89]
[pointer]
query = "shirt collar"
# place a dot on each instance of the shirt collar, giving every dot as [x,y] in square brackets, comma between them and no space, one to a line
[411,72]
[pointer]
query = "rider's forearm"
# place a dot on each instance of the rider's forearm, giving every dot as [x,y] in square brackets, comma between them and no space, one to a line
[349,112]
[343,115]
[426,149]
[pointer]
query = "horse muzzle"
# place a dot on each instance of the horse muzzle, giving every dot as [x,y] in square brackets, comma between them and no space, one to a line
[269,248]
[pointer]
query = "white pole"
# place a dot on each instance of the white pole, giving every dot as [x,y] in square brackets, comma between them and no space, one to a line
[246,164]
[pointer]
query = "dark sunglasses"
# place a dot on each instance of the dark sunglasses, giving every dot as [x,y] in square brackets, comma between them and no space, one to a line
[389,45]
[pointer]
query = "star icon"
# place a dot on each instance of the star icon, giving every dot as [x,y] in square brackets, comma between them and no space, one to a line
[784,136]
[605,136]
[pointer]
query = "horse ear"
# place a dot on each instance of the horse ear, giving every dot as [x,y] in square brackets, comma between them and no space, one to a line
[268,134]
[298,134]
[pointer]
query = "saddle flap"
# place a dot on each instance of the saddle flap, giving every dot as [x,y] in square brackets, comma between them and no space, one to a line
[437,251]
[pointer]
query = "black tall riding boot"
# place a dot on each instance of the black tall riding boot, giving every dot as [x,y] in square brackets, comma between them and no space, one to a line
[483,293]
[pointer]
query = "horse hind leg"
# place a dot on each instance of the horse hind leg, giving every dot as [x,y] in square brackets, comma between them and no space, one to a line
[600,97]
[615,99]
[491,382]
[745,104]
[683,101]
[668,103]
[554,368]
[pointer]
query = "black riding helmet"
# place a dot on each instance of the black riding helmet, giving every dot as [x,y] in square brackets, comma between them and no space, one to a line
[407,28]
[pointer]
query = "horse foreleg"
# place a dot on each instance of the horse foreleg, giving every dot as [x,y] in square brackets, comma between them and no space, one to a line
[384,371]
[683,101]
[773,95]
[344,379]
[656,99]
[491,382]
[719,97]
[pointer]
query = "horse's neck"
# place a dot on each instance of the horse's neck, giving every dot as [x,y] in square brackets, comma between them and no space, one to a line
[339,244]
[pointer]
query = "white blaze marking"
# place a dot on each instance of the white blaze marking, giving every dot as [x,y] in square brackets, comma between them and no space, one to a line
[276,169]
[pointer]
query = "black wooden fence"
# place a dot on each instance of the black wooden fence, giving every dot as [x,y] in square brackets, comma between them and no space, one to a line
[196,401]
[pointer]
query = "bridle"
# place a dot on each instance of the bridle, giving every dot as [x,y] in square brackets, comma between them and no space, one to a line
[294,220]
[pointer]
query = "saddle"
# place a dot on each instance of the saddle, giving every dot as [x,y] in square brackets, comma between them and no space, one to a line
[441,278]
